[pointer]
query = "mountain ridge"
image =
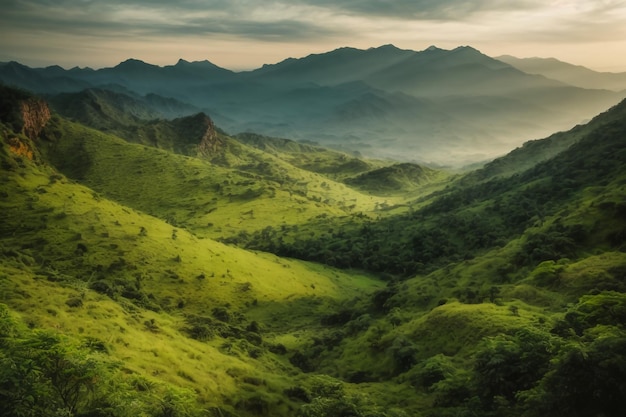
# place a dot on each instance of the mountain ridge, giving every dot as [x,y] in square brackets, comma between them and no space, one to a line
[305,98]
[577,75]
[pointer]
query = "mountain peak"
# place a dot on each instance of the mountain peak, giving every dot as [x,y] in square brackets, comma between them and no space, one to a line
[388,46]
[198,66]
[466,48]
[432,48]
[15,64]
[133,63]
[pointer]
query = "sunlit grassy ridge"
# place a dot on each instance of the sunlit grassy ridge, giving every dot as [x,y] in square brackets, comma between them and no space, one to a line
[79,263]
[210,199]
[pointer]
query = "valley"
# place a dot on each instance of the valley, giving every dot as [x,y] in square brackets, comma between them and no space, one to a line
[153,264]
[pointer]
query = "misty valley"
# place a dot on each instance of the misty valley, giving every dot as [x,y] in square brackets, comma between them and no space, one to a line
[358,233]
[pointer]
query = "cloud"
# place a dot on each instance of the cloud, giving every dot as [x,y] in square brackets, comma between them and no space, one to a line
[274,29]
[117,18]
[422,9]
[573,21]
[281,20]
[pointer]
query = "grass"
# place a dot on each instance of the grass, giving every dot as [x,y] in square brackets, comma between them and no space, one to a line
[59,238]
[209,199]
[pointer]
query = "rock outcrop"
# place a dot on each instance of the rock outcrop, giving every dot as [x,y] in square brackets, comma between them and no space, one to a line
[35,114]
[210,144]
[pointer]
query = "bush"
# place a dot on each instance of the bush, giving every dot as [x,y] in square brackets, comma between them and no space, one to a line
[594,377]
[403,352]
[432,370]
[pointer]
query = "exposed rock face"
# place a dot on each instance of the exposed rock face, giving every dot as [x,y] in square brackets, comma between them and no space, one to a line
[35,114]
[210,144]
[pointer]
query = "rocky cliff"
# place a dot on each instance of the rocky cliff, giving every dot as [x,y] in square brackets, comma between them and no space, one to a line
[35,114]
[210,144]
[22,113]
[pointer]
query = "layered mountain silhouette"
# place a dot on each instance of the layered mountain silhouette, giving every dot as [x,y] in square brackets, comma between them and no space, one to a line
[571,74]
[442,106]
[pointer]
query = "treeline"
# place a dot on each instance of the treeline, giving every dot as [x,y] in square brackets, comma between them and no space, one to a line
[427,239]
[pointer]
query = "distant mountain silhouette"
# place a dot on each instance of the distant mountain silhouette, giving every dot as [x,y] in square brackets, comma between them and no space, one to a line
[444,106]
[575,75]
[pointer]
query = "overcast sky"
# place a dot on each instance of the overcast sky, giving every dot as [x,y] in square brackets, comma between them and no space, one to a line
[244,34]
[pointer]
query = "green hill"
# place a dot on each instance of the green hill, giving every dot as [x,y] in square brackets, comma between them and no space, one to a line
[502,294]
[241,193]
[108,110]
[335,165]
[178,322]
[394,179]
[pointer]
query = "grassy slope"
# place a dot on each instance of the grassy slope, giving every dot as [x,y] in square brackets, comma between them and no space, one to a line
[538,151]
[336,165]
[59,238]
[209,199]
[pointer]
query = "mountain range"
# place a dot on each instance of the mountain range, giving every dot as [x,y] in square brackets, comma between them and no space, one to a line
[450,107]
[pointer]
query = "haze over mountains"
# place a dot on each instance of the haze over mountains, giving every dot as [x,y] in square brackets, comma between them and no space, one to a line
[571,74]
[450,107]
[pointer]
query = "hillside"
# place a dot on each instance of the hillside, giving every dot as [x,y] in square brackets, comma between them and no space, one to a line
[484,294]
[109,285]
[311,157]
[394,179]
[107,109]
[537,151]
[234,193]
[504,269]
[468,217]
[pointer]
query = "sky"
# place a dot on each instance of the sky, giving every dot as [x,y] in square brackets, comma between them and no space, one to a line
[245,34]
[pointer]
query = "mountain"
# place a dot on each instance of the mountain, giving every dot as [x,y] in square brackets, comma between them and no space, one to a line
[40,81]
[336,67]
[483,293]
[392,179]
[172,81]
[539,151]
[575,75]
[450,101]
[434,106]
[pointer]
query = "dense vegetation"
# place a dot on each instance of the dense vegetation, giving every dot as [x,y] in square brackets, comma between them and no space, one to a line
[501,292]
